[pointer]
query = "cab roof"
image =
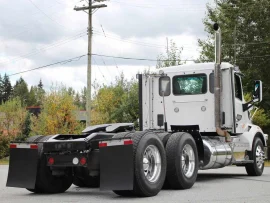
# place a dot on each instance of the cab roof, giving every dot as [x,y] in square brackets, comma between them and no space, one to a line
[194,67]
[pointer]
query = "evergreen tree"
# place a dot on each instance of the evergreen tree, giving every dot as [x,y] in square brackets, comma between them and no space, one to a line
[40,84]
[20,90]
[1,90]
[83,96]
[77,100]
[32,100]
[6,88]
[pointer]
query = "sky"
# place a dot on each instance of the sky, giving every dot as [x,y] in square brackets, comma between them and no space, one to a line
[35,33]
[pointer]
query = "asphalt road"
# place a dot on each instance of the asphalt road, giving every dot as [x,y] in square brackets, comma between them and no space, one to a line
[230,184]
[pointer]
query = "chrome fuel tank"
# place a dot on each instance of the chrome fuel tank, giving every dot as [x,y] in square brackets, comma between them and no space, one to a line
[217,153]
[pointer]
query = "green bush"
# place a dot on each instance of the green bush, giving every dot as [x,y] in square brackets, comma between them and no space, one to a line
[4,145]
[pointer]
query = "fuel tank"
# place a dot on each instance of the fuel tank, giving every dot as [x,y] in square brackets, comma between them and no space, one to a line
[217,154]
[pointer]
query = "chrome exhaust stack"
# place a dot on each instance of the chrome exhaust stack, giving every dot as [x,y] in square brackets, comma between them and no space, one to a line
[217,76]
[217,85]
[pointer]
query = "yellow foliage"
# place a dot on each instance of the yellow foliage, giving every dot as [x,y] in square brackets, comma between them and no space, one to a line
[57,114]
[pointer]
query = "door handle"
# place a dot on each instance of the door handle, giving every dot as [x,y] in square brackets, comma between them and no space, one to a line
[238,117]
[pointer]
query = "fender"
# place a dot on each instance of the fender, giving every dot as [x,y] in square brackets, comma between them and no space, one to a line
[252,132]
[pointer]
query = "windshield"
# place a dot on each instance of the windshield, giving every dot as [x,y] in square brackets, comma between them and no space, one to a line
[190,84]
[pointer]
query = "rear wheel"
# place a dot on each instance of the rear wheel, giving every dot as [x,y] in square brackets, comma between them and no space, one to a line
[182,161]
[257,154]
[149,165]
[82,178]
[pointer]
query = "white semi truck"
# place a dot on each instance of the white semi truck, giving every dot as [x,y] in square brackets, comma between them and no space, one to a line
[192,117]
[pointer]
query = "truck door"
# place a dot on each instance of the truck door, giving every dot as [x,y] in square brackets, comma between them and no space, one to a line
[240,117]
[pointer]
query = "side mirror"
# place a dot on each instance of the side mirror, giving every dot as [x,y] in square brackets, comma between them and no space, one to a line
[257,95]
[164,86]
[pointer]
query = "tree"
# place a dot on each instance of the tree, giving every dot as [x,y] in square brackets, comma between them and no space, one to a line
[116,102]
[12,117]
[1,90]
[40,84]
[32,99]
[83,97]
[172,57]
[7,88]
[77,100]
[20,90]
[57,114]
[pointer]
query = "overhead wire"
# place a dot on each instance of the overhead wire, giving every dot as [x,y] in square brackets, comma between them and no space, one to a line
[52,64]
[113,58]
[44,48]
[47,14]
[100,70]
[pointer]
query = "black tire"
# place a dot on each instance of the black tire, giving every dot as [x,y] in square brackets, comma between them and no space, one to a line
[253,169]
[143,187]
[174,151]
[45,181]
[82,178]
[124,193]
[164,137]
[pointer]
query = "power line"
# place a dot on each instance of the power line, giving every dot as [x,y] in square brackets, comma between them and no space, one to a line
[46,14]
[52,64]
[44,48]
[141,59]
[100,70]
[141,43]
[113,59]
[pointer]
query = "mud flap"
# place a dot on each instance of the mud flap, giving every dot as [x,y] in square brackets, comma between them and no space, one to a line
[116,165]
[23,167]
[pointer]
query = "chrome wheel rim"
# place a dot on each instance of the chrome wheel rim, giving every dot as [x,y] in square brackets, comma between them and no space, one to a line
[188,161]
[259,157]
[152,163]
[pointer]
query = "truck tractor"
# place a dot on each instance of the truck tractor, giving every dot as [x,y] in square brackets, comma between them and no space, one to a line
[192,117]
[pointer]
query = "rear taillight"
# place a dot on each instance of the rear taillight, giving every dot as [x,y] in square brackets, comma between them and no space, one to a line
[12,146]
[83,161]
[51,161]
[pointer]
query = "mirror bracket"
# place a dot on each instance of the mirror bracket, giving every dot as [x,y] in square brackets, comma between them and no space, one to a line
[248,105]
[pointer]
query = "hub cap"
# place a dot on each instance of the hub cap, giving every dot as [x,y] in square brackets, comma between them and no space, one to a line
[188,161]
[152,163]
[259,157]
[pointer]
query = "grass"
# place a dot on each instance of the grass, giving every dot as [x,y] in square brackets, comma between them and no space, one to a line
[4,162]
[267,163]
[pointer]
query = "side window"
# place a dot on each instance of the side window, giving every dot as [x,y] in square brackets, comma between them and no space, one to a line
[238,87]
[211,82]
[190,84]
[164,86]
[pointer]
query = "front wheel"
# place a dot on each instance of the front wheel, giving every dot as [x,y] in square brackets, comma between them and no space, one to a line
[257,154]
[182,161]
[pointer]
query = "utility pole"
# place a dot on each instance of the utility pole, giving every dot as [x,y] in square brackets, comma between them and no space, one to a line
[91,7]
[234,35]
[168,49]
